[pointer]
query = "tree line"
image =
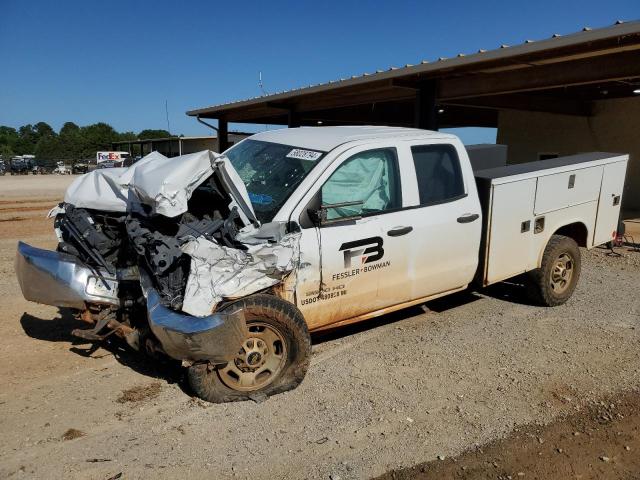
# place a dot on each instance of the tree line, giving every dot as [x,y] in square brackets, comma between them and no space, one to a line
[71,143]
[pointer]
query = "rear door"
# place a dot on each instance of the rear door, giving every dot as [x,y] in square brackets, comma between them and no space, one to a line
[351,267]
[446,219]
[609,203]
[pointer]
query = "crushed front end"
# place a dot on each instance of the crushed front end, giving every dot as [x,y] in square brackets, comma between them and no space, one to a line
[156,253]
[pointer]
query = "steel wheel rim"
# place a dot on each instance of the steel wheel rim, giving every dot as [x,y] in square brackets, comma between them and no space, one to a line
[260,359]
[562,273]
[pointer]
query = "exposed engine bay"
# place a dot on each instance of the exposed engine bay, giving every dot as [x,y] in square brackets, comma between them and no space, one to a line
[113,241]
[176,237]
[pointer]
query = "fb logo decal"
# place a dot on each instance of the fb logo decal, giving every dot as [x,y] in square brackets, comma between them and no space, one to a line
[371,252]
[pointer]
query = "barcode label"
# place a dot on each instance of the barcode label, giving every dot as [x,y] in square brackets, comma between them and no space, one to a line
[304,154]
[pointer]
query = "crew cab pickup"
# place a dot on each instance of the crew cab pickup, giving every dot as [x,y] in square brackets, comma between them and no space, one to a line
[227,262]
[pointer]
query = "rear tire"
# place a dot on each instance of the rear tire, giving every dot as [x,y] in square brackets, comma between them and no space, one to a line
[273,359]
[554,282]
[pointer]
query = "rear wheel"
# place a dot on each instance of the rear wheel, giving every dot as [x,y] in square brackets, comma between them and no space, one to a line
[273,357]
[554,282]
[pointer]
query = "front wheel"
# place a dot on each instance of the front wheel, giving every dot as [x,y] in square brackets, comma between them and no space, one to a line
[273,358]
[554,282]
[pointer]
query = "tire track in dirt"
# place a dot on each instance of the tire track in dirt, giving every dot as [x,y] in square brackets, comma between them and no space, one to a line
[42,208]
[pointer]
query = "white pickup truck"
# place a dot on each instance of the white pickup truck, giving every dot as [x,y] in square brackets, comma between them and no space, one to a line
[227,262]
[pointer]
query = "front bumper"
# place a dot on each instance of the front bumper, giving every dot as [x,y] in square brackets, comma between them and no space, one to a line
[216,338]
[61,280]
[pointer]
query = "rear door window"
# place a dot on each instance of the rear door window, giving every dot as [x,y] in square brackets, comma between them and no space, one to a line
[438,173]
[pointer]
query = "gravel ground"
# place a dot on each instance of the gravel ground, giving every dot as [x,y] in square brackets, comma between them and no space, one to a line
[386,394]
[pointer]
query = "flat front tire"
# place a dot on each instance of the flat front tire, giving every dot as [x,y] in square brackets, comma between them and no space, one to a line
[555,281]
[273,358]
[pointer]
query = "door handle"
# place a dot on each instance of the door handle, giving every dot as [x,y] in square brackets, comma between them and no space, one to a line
[398,231]
[468,218]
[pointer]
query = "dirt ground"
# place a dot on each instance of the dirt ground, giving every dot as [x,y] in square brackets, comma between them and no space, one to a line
[599,441]
[477,380]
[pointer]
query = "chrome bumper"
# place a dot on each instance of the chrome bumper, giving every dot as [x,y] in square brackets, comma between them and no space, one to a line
[216,338]
[61,280]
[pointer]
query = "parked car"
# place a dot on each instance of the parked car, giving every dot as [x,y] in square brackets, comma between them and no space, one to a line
[227,262]
[79,168]
[106,164]
[19,165]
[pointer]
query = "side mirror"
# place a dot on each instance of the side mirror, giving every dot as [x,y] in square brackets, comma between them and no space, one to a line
[317,215]
[320,216]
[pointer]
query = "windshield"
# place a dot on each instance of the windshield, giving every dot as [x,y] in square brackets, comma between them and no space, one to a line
[271,172]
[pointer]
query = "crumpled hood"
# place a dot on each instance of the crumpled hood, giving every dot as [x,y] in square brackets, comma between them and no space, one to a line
[255,258]
[164,184]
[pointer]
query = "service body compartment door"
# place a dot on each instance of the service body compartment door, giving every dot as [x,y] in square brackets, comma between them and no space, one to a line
[609,204]
[510,234]
[566,189]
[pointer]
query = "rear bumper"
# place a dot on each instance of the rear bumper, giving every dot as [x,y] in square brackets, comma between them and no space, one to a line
[61,280]
[216,338]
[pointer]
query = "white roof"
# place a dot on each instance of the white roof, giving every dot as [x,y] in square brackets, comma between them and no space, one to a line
[327,138]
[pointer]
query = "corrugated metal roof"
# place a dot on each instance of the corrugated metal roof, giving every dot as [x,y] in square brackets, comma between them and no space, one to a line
[587,35]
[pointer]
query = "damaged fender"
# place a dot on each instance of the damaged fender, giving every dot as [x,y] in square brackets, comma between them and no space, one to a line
[219,272]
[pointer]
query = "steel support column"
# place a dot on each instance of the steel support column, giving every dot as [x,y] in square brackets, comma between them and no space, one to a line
[425,113]
[223,135]
[293,119]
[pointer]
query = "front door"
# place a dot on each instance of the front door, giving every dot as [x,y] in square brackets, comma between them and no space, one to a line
[362,261]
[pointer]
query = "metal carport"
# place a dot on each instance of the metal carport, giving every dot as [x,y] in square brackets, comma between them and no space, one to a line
[563,78]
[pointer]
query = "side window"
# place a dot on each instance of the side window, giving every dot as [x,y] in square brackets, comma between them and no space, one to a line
[369,177]
[438,173]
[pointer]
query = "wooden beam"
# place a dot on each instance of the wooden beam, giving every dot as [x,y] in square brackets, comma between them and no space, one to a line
[540,77]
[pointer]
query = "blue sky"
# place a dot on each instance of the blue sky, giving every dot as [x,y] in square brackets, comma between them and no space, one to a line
[117,61]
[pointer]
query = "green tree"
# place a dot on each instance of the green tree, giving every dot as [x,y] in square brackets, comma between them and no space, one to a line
[128,136]
[97,137]
[8,139]
[146,134]
[43,129]
[51,148]
[70,135]
[6,152]
[29,136]
[71,143]
[69,129]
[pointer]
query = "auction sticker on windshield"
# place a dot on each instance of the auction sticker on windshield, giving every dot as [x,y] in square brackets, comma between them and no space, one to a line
[304,154]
